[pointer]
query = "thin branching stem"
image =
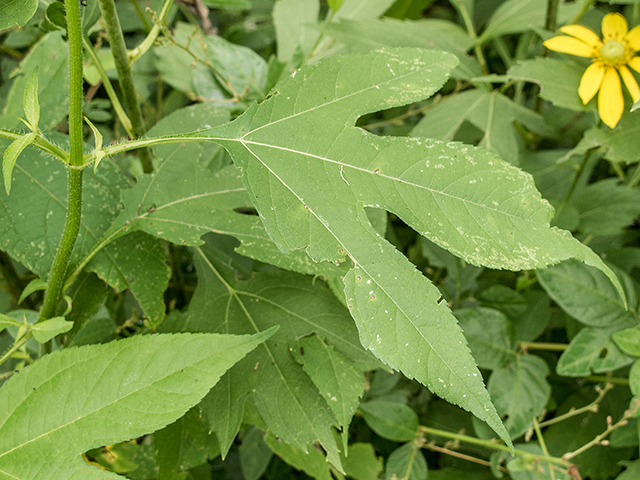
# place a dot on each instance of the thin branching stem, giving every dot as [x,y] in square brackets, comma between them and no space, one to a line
[123,67]
[592,407]
[492,444]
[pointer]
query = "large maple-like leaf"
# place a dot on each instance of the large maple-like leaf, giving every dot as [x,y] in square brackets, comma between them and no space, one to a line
[310,173]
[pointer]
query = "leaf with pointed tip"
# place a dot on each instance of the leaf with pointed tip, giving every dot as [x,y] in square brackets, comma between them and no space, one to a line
[339,382]
[285,396]
[311,189]
[31,104]
[81,398]
[182,199]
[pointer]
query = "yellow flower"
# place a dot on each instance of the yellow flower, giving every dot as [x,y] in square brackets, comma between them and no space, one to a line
[611,56]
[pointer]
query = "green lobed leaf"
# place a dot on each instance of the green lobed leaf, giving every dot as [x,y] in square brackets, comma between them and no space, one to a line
[73,400]
[406,462]
[586,294]
[520,392]
[311,190]
[286,398]
[593,350]
[183,199]
[340,383]
[16,13]
[391,420]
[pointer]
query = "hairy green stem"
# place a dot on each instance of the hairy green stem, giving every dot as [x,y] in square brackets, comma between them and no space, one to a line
[123,67]
[41,143]
[15,347]
[74,177]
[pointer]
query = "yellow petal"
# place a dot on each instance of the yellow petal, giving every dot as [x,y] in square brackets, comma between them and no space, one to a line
[610,101]
[570,45]
[582,33]
[614,27]
[630,82]
[633,37]
[634,63]
[591,81]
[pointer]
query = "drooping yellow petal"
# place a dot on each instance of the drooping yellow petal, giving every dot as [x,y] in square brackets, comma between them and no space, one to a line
[634,63]
[630,82]
[570,45]
[614,27]
[582,33]
[633,38]
[610,101]
[591,81]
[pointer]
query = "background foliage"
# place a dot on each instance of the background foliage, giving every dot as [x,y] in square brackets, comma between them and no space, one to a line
[338,232]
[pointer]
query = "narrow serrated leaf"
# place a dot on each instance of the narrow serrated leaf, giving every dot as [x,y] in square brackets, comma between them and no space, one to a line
[339,382]
[11,155]
[31,104]
[311,189]
[286,398]
[81,398]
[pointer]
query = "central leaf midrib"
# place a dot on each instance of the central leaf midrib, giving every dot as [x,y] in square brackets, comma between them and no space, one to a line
[119,399]
[322,221]
[395,179]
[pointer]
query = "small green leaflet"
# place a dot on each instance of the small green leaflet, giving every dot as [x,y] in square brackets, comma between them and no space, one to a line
[81,398]
[30,103]
[11,155]
[311,189]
